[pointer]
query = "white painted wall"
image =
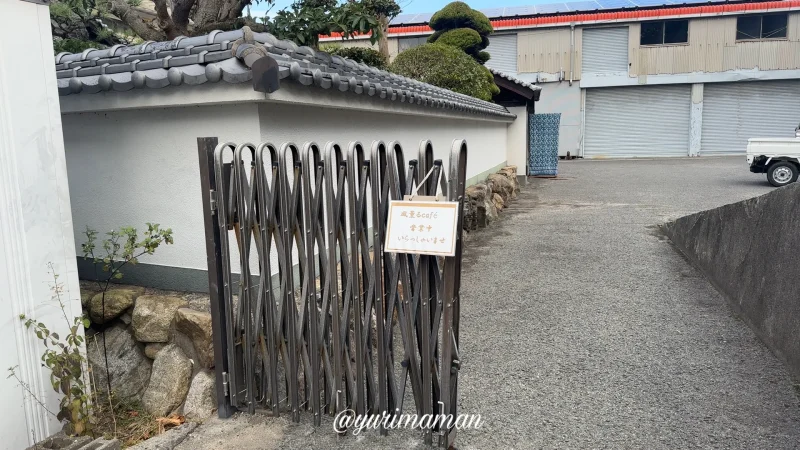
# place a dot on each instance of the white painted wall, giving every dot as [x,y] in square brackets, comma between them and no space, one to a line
[518,140]
[35,218]
[565,99]
[133,166]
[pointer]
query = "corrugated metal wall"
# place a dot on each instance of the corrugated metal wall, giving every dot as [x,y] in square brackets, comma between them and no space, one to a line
[503,48]
[736,112]
[713,48]
[605,50]
[637,121]
[547,51]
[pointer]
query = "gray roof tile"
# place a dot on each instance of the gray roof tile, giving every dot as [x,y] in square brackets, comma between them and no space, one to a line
[209,59]
[511,78]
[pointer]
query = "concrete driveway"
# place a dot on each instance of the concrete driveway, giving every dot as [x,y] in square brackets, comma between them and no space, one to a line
[582,327]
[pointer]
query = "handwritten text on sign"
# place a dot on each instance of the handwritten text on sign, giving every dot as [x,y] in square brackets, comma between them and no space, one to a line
[422,227]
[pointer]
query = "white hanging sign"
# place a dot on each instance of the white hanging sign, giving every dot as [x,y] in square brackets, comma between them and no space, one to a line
[422,227]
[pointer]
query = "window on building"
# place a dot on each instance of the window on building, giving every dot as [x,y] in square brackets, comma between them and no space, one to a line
[665,32]
[769,26]
[406,43]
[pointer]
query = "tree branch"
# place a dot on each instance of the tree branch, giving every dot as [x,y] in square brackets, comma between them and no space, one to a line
[127,14]
[164,20]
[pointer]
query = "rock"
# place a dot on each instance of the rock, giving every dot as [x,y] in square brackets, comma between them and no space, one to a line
[126,318]
[86,296]
[201,401]
[167,441]
[196,326]
[510,172]
[481,195]
[118,299]
[498,201]
[152,316]
[128,367]
[501,185]
[152,349]
[169,382]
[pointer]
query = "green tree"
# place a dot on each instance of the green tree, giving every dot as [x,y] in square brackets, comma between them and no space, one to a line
[453,57]
[461,26]
[81,24]
[364,55]
[447,67]
[384,11]
[305,20]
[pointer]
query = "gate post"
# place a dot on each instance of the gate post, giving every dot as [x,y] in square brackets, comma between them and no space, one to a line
[208,185]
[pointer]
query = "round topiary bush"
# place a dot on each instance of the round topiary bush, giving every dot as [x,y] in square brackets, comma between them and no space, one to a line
[364,55]
[465,39]
[460,15]
[447,67]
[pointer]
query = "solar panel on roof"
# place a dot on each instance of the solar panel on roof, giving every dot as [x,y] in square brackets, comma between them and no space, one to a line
[614,4]
[493,12]
[551,8]
[583,6]
[521,11]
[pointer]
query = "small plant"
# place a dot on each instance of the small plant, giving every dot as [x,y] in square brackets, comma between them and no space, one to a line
[66,361]
[120,248]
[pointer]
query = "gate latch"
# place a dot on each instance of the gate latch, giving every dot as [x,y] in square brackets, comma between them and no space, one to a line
[212,201]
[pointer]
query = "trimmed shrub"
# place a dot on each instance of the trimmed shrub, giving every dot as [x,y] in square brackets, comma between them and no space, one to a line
[465,39]
[447,67]
[460,15]
[482,57]
[364,55]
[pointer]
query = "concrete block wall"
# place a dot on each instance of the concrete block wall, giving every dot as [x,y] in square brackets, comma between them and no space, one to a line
[750,251]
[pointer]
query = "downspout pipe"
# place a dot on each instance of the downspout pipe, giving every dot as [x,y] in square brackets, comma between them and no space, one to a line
[571,51]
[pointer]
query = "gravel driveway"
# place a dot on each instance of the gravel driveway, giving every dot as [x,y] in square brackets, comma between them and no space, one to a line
[582,327]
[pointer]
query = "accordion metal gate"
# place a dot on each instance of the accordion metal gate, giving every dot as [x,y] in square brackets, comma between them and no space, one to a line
[319,317]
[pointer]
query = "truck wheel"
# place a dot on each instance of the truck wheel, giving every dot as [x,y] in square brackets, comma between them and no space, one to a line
[782,173]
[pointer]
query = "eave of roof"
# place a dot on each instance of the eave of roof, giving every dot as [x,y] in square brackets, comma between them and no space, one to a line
[214,57]
[533,90]
[624,14]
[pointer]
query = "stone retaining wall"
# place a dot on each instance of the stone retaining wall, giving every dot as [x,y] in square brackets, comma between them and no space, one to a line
[486,199]
[159,347]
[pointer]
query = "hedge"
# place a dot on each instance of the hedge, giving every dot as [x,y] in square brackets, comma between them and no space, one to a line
[460,15]
[447,67]
[465,39]
[364,55]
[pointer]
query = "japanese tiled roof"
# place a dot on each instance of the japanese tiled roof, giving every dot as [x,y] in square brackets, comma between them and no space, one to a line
[220,56]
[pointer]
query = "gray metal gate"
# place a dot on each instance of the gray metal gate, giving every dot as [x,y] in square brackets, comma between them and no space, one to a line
[330,322]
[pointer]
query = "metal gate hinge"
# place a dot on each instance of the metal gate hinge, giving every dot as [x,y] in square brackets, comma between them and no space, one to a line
[212,201]
[225,383]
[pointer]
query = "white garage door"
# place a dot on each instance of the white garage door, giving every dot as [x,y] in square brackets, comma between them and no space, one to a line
[637,121]
[736,112]
[503,51]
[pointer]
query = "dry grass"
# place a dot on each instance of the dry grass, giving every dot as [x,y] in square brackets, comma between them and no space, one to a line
[129,422]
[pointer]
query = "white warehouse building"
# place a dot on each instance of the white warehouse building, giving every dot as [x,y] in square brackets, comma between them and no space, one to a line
[645,78]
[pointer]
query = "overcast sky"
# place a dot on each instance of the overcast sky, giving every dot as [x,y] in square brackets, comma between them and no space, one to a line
[417,6]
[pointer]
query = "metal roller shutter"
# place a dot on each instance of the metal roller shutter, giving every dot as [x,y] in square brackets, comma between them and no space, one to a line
[637,121]
[503,48]
[736,112]
[605,50]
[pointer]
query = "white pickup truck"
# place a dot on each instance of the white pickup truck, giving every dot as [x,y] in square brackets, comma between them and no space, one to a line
[779,158]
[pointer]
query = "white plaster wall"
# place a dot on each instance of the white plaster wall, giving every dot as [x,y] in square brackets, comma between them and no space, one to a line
[133,166]
[565,99]
[486,141]
[518,140]
[136,166]
[35,219]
